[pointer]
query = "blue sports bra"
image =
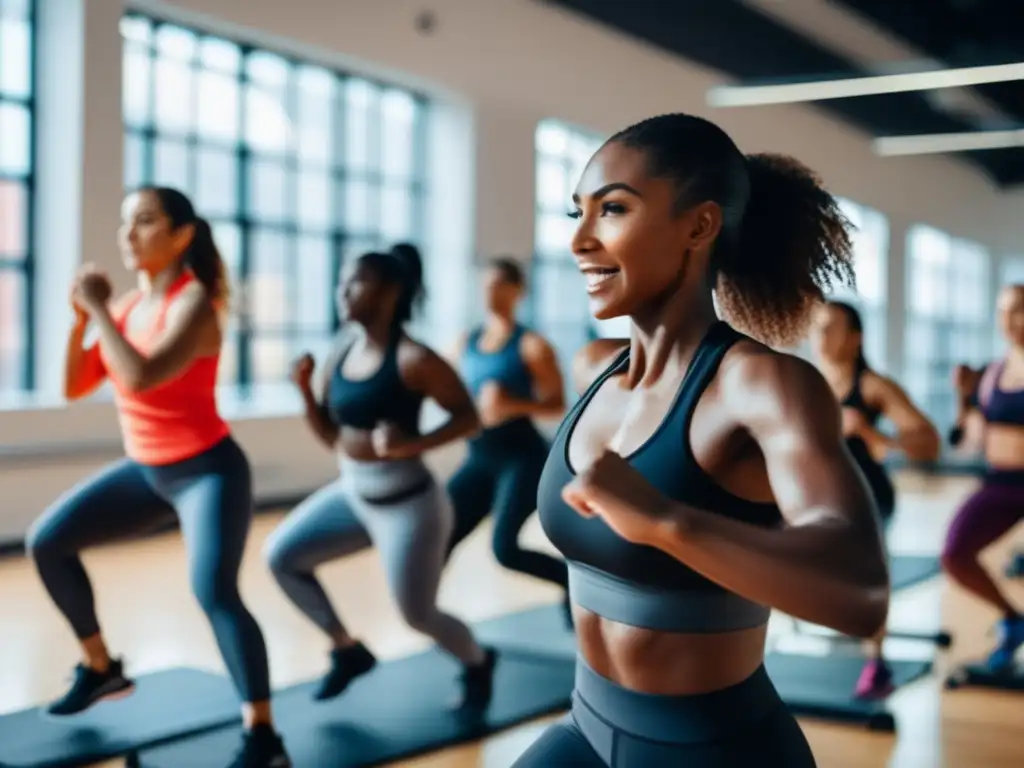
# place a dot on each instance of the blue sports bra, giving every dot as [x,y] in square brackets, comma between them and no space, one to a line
[1002,407]
[637,585]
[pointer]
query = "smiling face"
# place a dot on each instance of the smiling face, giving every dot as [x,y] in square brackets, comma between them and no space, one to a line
[632,244]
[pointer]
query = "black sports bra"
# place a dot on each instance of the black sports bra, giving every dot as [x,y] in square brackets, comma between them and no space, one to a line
[638,585]
[855,399]
[382,397]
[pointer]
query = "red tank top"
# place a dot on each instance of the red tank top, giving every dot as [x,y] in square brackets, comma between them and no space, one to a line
[177,419]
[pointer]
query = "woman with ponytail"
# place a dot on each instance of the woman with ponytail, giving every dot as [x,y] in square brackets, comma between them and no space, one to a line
[159,345]
[366,407]
[701,479]
[866,396]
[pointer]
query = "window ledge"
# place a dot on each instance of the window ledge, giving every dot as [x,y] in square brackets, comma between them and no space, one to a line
[30,401]
[260,401]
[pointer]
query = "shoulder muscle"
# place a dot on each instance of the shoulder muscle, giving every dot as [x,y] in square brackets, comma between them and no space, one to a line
[775,395]
[534,347]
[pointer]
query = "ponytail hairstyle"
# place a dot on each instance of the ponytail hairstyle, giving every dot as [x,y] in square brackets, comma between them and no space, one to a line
[784,242]
[201,255]
[402,266]
[856,325]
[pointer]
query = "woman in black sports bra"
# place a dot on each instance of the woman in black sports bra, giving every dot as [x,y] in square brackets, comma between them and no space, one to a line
[865,397]
[702,479]
[366,408]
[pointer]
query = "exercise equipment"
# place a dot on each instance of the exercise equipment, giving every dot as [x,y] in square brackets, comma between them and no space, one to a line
[980,676]
[905,572]
[1015,568]
[949,464]
[166,705]
[822,687]
[397,711]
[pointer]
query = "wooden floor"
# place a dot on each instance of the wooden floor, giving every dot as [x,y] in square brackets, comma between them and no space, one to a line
[150,616]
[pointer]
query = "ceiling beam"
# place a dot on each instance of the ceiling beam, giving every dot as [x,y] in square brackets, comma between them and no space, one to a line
[893,146]
[820,90]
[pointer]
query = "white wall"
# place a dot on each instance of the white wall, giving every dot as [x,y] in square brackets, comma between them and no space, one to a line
[497,67]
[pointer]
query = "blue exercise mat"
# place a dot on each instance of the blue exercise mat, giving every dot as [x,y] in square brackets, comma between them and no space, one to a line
[978,675]
[907,571]
[542,631]
[166,705]
[398,710]
[822,687]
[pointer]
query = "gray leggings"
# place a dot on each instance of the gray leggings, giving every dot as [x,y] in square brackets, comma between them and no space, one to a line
[211,495]
[392,505]
[613,727]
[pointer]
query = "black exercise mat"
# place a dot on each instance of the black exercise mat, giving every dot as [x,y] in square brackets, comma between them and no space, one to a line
[396,711]
[980,676]
[166,705]
[907,571]
[542,631]
[822,687]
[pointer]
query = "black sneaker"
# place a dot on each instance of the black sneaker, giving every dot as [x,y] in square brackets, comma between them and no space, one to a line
[346,665]
[478,683]
[90,687]
[261,748]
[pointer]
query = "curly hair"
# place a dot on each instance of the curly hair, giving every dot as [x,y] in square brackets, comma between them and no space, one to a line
[784,243]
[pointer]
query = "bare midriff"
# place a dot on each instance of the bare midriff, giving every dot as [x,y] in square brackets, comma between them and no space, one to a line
[357,444]
[668,663]
[1004,446]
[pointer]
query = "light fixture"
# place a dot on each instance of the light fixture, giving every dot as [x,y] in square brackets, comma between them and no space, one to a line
[790,93]
[927,144]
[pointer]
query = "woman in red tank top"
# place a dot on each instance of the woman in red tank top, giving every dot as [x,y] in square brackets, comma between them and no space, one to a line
[159,345]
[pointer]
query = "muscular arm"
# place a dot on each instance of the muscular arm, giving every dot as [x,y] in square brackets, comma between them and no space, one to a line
[83,367]
[968,432]
[314,396]
[825,563]
[548,389]
[424,371]
[916,436]
[319,423]
[192,330]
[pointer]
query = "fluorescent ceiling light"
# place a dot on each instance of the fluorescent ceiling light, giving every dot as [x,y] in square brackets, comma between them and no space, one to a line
[789,93]
[889,146]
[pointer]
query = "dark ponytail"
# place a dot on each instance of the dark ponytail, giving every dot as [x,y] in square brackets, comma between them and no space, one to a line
[401,266]
[784,242]
[855,324]
[202,255]
[410,297]
[205,261]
